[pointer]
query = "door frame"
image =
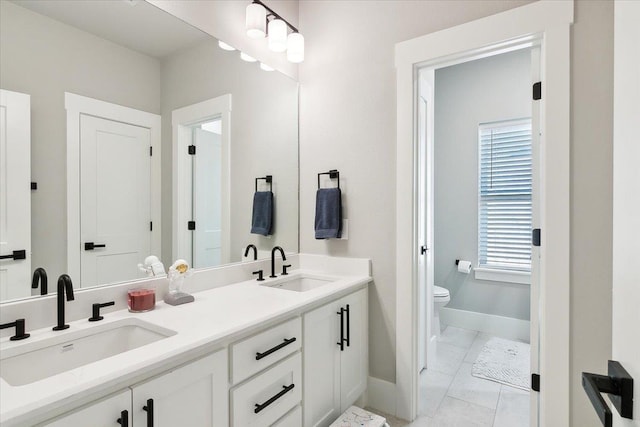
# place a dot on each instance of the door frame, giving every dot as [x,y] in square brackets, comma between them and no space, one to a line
[77,105]
[550,23]
[181,120]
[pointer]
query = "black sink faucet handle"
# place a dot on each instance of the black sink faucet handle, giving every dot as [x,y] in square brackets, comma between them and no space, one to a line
[260,275]
[284,269]
[95,311]
[19,324]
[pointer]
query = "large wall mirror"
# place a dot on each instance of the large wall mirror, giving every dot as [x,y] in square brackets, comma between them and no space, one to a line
[134,134]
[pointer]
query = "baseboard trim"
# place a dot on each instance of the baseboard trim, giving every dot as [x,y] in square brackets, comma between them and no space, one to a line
[505,327]
[381,395]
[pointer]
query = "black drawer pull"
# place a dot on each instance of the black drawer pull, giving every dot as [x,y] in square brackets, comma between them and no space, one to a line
[149,408]
[124,418]
[285,343]
[341,342]
[15,255]
[285,389]
[348,328]
[89,246]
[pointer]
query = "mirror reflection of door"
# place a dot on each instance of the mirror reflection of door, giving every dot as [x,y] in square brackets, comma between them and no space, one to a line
[207,191]
[15,197]
[115,200]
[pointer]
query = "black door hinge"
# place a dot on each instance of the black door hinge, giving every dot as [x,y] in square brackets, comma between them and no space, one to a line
[192,150]
[150,151]
[34,185]
[535,382]
[537,91]
[535,237]
[150,225]
[191,225]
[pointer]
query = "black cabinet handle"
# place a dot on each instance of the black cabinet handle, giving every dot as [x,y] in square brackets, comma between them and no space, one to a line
[618,384]
[15,255]
[348,328]
[124,418]
[89,246]
[285,389]
[285,343]
[149,408]
[341,343]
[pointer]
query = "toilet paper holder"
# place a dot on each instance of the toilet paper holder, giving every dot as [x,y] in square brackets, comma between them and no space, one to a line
[457,261]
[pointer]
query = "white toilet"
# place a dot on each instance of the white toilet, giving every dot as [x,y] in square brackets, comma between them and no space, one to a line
[441,298]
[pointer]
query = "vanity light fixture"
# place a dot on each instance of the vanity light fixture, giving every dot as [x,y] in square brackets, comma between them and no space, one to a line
[261,21]
[225,46]
[246,57]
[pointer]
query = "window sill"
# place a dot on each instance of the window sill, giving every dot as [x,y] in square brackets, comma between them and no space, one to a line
[520,277]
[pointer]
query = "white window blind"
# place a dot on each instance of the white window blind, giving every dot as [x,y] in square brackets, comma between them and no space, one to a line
[504,222]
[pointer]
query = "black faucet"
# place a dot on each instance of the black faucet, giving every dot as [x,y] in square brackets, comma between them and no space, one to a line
[64,287]
[19,324]
[255,251]
[40,275]
[273,259]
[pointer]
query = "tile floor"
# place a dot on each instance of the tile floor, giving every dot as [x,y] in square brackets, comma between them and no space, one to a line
[451,396]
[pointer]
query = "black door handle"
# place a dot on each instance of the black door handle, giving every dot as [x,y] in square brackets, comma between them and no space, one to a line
[285,390]
[618,384]
[348,328]
[15,255]
[341,342]
[89,246]
[285,343]
[149,408]
[124,418]
[423,250]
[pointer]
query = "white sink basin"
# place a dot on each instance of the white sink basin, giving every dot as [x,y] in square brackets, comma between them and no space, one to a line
[300,283]
[35,361]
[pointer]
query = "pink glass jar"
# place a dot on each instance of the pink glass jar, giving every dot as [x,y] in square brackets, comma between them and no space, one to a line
[141,300]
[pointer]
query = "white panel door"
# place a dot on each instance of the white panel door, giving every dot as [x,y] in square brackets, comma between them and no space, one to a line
[353,360]
[115,167]
[104,413]
[194,395]
[321,382]
[207,199]
[626,199]
[15,196]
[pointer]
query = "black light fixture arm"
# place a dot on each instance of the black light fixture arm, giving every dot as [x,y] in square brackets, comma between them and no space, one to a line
[272,13]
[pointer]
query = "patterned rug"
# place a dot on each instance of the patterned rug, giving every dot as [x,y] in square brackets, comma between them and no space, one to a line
[504,361]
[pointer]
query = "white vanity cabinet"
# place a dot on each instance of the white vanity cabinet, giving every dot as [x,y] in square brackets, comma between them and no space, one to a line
[335,358]
[194,395]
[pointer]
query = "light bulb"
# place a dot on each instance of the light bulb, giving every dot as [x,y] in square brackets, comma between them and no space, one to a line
[246,57]
[265,67]
[277,35]
[256,19]
[295,48]
[225,46]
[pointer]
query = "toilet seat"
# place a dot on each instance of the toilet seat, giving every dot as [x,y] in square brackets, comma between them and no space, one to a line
[440,292]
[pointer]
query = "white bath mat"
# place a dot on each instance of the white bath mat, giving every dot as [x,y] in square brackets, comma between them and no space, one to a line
[504,361]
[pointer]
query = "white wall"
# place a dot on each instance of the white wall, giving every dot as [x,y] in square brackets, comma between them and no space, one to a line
[486,90]
[264,135]
[45,58]
[347,122]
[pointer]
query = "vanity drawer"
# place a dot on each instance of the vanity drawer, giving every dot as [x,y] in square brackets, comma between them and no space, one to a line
[264,349]
[292,419]
[269,396]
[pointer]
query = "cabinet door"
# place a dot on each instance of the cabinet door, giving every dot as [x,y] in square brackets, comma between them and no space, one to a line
[193,395]
[104,413]
[321,353]
[354,358]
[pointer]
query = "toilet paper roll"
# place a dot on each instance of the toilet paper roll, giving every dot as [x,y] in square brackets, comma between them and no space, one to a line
[464,267]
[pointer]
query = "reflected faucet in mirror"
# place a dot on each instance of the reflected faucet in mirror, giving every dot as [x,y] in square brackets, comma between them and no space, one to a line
[40,275]
[255,251]
[64,287]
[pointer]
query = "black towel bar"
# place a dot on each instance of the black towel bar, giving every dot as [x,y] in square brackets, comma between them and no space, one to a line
[268,179]
[333,174]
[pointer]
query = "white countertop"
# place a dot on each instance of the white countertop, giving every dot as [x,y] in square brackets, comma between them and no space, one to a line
[216,318]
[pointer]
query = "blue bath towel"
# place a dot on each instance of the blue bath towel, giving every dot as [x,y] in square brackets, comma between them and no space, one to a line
[262,217]
[328,213]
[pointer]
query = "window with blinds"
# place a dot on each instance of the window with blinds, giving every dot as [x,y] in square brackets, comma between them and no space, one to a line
[505,181]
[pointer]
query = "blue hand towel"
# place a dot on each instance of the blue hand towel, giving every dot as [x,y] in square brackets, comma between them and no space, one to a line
[328,213]
[262,217]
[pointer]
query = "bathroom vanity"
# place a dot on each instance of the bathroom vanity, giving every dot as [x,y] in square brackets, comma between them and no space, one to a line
[244,353]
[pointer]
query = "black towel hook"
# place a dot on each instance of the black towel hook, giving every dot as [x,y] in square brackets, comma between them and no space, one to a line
[333,174]
[268,179]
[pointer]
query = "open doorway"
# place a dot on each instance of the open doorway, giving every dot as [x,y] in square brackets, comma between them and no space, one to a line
[475,217]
